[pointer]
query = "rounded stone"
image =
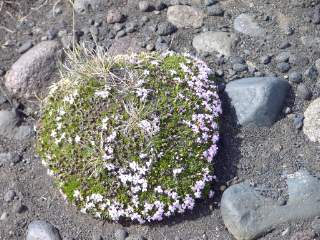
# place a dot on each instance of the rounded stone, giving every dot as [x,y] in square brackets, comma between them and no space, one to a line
[215,11]
[160,6]
[121,33]
[42,230]
[131,27]
[17,207]
[120,234]
[166,28]
[145,19]
[295,77]
[9,196]
[209,2]
[304,92]
[238,67]
[283,67]
[144,6]
[114,16]
[316,226]
[94,30]
[150,46]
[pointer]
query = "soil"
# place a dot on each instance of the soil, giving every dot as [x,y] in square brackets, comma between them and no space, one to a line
[258,155]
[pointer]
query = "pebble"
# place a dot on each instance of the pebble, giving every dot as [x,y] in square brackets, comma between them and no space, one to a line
[94,30]
[236,59]
[295,77]
[282,57]
[298,60]
[145,19]
[114,16]
[284,45]
[238,67]
[209,2]
[121,33]
[283,67]
[286,110]
[120,234]
[9,196]
[117,27]
[215,11]
[144,6]
[305,235]
[304,92]
[316,225]
[42,230]
[131,27]
[175,2]
[288,31]
[311,73]
[150,46]
[166,28]
[160,6]
[96,236]
[17,207]
[161,47]
[265,59]
[152,28]
[4,216]
[25,47]
[142,44]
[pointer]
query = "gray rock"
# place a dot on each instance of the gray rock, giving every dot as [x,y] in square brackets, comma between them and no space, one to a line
[256,102]
[175,2]
[288,31]
[238,67]
[314,14]
[258,74]
[152,28]
[68,238]
[120,234]
[42,230]
[310,41]
[221,42]
[9,127]
[131,27]
[284,45]
[295,77]
[317,64]
[121,34]
[166,28]
[209,2]
[236,59]
[94,30]
[304,92]
[160,6]
[117,27]
[283,67]
[265,59]
[9,196]
[248,215]
[185,16]
[30,74]
[298,60]
[316,226]
[25,47]
[144,6]
[245,24]
[311,126]
[311,73]
[67,41]
[215,11]
[83,6]
[282,57]
[298,121]
[17,207]
[4,216]
[145,19]
[114,16]
[161,47]
[150,46]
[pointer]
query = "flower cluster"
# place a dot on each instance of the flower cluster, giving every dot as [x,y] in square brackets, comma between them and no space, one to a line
[140,149]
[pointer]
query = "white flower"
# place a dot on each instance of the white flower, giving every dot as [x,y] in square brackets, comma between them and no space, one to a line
[133,165]
[83,210]
[62,112]
[76,193]
[158,189]
[177,171]
[58,119]
[44,162]
[146,72]
[50,172]
[77,139]
[154,63]
[54,133]
[59,126]
[112,136]
[96,197]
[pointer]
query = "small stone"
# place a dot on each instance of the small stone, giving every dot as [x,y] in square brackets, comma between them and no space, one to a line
[266,18]
[286,110]
[281,201]
[238,67]
[209,2]
[120,234]
[236,59]
[161,47]
[144,6]
[283,67]
[219,73]
[152,28]
[4,216]
[121,33]
[283,57]
[9,196]
[142,44]
[295,77]
[298,60]
[114,16]
[311,73]
[17,207]
[298,121]
[2,72]
[223,188]
[94,30]
[252,69]
[110,35]
[175,2]
[166,28]
[96,236]
[25,47]
[289,31]
[316,226]
[51,34]
[265,59]
[150,46]
[285,45]
[285,232]
[304,92]
[258,74]
[42,230]
[145,19]
[215,11]
[131,27]
[160,6]
[117,27]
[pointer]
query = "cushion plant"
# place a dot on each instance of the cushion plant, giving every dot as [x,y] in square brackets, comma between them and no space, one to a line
[131,136]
